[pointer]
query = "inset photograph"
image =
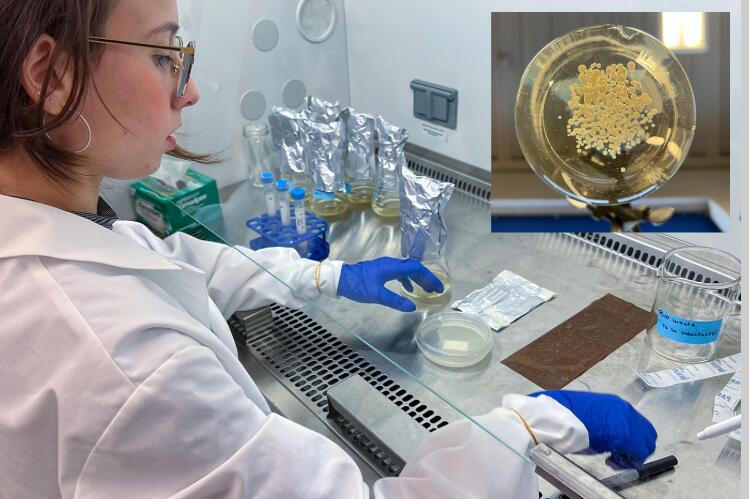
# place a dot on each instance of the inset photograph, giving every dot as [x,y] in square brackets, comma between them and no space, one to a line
[610,122]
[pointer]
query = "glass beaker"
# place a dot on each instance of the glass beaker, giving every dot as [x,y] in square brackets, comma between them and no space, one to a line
[440,269]
[329,205]
[386,204]
[697,290]
[259,151]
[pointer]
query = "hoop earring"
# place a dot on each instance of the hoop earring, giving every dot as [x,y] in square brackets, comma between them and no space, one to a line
[88,127]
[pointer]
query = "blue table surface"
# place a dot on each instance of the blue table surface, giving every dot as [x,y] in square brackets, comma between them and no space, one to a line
[684,222]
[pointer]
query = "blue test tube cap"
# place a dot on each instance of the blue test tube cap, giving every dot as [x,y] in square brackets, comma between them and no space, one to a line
[297,194]
[282,185]
[266,177]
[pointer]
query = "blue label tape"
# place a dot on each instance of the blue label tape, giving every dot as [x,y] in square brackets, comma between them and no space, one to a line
[323,196]
[688,331]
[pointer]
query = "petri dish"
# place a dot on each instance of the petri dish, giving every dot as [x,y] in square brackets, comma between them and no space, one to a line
[637,127]
[454,339]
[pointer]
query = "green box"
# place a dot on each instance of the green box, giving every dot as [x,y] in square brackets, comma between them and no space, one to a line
[165,210]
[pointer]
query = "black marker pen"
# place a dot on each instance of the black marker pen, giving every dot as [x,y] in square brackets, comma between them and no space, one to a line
[648,470]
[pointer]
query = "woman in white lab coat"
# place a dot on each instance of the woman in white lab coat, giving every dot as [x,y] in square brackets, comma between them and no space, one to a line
[119,374]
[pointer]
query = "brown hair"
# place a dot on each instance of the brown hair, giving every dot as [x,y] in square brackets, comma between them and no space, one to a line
[70,23]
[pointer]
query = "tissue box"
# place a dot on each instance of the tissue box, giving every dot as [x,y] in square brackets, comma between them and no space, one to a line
[165,209]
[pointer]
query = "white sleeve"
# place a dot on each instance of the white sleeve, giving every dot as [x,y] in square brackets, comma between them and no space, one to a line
[189,431]
[463,460]
[551,422]
[236,280]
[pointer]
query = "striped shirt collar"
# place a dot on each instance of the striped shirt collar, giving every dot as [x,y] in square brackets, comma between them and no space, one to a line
[104,216]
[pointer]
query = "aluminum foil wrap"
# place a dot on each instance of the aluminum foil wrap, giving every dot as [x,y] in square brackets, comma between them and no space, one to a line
[360,138]
[287,134]
[325,150]
[423,231]
[507,298]
[390,156]
[321,111]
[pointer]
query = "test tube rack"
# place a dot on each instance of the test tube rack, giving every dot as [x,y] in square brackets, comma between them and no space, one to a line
[273,233]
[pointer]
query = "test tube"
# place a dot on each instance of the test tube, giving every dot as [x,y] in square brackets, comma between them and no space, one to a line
[270,197]
[282,186]
[297,196]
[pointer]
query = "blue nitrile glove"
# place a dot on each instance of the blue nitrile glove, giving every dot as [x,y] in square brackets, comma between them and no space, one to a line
[365,281]
[613,425]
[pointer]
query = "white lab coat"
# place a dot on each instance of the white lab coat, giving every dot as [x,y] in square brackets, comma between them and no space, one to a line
[119,378]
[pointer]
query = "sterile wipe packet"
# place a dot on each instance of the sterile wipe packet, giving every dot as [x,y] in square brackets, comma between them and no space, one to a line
[171,172]
[504,300]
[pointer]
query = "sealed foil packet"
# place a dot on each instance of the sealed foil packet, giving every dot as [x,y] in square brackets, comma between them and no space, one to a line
[507,298]
[391,140]
[423,230]
[360,139]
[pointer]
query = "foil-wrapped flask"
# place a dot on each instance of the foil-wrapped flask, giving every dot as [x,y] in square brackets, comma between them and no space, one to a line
[390,160]
[423,229]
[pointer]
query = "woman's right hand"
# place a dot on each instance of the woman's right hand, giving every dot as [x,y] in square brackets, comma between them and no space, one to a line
[613,425]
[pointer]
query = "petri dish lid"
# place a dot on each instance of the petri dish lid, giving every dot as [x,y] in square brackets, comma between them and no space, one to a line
[454,339]
[647,154]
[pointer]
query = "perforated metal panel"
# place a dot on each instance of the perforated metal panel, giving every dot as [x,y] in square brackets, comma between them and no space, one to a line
[650,254]
[449,171]
[308,360]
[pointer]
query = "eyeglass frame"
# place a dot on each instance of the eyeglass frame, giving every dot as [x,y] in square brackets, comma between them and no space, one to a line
[186,57]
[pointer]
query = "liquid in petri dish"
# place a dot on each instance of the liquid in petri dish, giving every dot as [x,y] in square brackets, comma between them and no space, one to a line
[453,339]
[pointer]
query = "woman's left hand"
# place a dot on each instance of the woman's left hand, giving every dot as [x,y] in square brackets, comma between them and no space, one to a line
[365,281]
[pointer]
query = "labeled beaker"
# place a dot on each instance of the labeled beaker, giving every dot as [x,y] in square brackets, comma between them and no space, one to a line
[697,290]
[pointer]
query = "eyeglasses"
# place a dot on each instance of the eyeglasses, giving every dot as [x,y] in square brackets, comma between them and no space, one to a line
[183,67]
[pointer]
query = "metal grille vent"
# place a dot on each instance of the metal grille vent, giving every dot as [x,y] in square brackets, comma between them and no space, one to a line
[467,178]
[464,186]
[648,255]
[300,352]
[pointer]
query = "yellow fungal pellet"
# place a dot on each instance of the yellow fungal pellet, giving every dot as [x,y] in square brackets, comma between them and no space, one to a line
[623,169]
[610,110]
